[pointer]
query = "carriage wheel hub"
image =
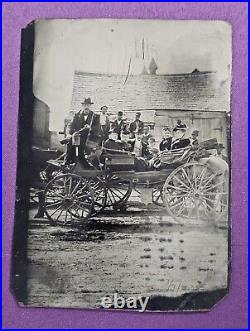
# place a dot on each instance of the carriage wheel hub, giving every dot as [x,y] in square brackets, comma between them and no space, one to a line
[67,201]
[196,194]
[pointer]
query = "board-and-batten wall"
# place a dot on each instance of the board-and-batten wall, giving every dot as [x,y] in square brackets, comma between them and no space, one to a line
[211,124]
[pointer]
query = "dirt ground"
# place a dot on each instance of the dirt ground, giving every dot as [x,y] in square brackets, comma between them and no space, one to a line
[143,252]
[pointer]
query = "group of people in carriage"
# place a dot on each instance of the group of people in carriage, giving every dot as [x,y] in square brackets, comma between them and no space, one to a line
[98,136]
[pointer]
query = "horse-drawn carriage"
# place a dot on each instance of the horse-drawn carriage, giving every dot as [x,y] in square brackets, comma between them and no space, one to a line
[187,185]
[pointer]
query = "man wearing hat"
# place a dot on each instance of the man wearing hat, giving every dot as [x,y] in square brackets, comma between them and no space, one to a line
[137,125]
[119,124]
[178,140]
[219,148]
[80,124]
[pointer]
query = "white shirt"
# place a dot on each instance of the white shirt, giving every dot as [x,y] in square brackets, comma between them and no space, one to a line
[103,119]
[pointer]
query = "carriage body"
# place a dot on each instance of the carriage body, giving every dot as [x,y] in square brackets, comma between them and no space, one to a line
[187,188]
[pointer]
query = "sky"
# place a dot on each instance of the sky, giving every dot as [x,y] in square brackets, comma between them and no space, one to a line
[106,46]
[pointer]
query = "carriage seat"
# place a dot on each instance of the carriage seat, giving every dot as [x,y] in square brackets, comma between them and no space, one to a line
[119,162]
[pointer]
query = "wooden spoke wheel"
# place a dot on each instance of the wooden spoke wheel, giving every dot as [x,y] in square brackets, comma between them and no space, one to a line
[68,200]
[193,191]
[100,195]
[118,191]
[157,195]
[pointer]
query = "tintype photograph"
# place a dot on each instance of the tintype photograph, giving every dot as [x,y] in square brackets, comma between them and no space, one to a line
[123,177]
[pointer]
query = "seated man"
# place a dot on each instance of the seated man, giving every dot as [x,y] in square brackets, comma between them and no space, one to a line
[112,145]
[151,144]
[165,144]
[119,124]
[179,141]
[125,134]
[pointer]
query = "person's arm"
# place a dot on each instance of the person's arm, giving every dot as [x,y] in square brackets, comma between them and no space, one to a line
[107,124]
[113,125]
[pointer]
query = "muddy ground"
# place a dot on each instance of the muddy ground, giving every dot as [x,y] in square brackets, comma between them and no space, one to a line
[143,252]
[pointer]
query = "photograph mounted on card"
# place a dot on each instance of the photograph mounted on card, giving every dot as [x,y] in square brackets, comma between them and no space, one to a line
[123,177]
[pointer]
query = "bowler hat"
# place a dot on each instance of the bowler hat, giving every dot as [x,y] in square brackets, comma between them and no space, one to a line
[87,101]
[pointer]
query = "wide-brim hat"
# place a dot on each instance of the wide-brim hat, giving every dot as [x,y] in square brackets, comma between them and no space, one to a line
[87,101]
[220,146]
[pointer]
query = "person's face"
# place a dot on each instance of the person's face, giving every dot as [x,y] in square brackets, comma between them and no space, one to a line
[151,143]
[119,117]
[124,137]
[113,136]
[86,109]
[137,117]
[194,135]
[104,110]
[166,134]
[146,130]
[138,137]
[179,134]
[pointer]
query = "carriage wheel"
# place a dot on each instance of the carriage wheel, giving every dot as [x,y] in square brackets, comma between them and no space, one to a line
[157,195]
[100,195]
[118,191]
[193,191]
[68,200]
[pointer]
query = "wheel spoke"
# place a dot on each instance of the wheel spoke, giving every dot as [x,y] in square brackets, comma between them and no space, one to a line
[202,177]
[118,196]
[55,210]
[185,174]
[54,204]
[214,186]
[183,184]
[178,188]
[212,193]
[176,204]
[212,177]
[56,193]
[59,214]
[74,189]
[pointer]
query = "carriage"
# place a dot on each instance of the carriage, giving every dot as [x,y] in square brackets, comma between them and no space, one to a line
[188,186]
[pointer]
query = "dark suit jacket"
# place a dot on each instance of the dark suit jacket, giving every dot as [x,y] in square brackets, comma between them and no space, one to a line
[165,144]
[133,126]
[180,143]
[78,123]
[118,127]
